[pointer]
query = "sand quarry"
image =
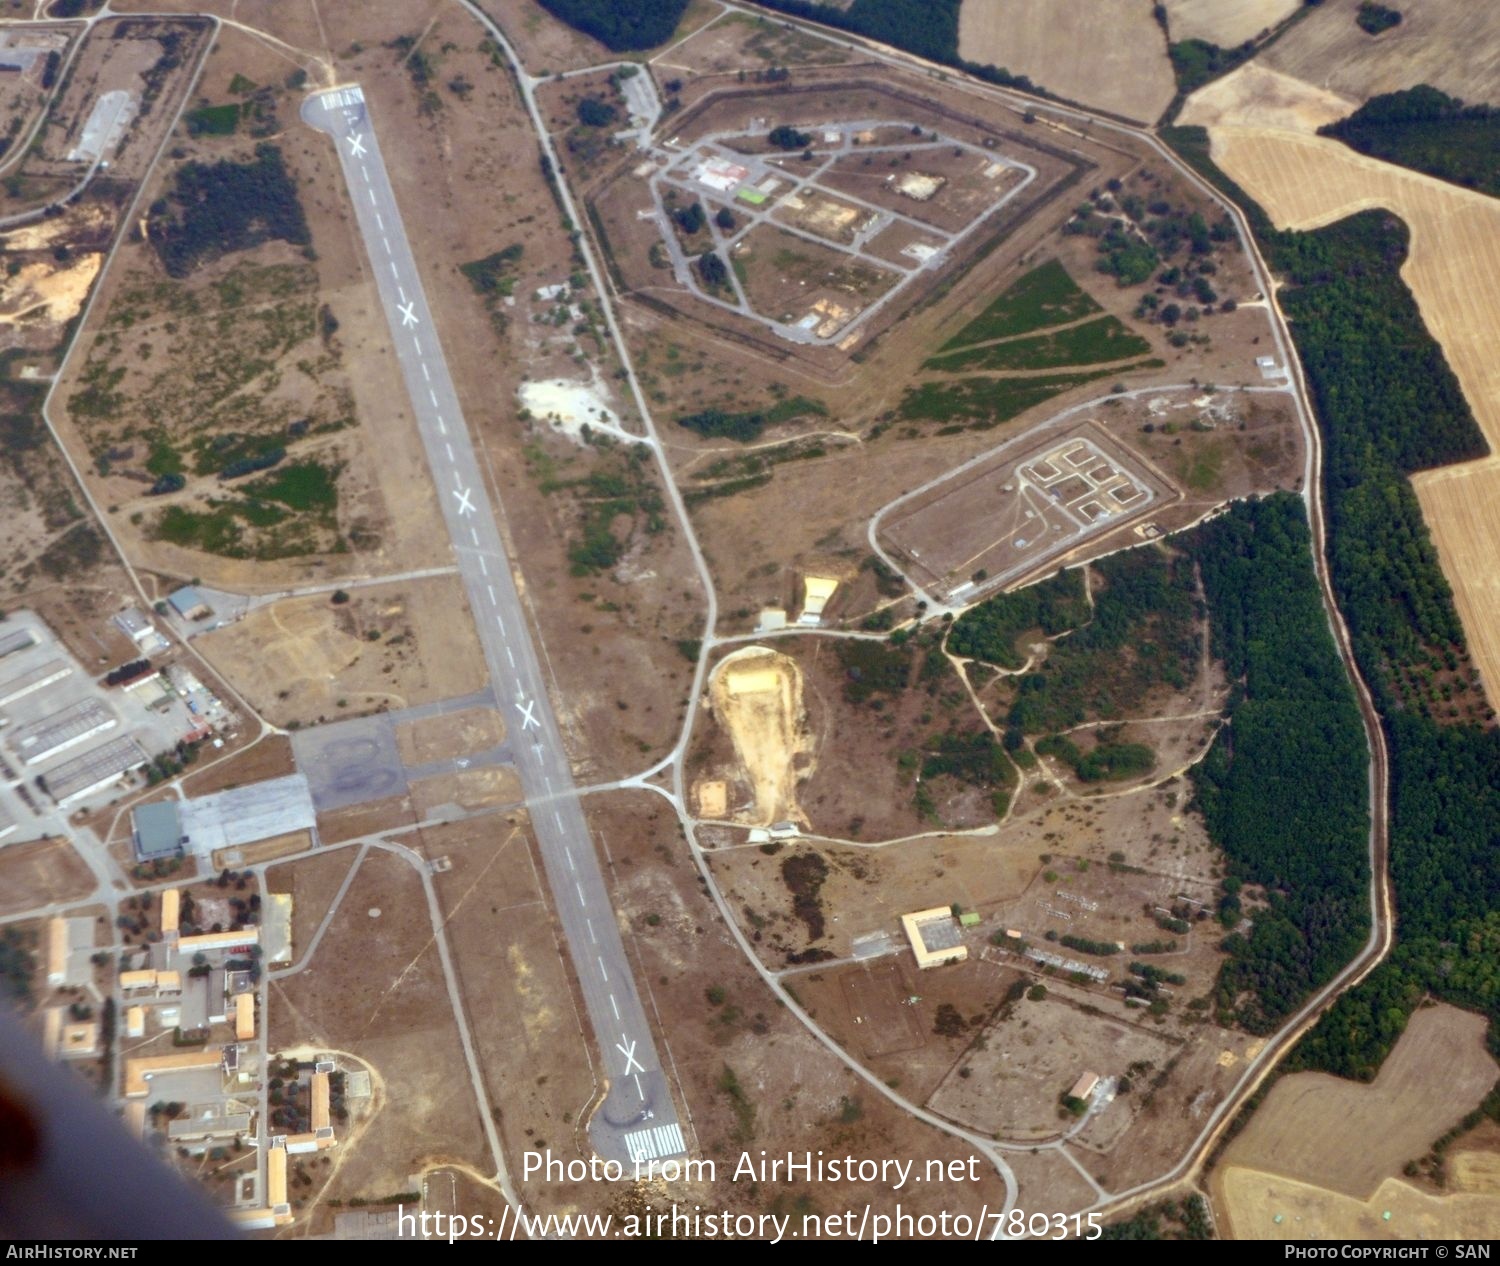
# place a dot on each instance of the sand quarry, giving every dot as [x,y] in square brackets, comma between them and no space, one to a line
[59,292]
[756,695]
[1453,269]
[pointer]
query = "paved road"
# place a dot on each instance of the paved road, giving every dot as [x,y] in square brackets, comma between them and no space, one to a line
[638,1118]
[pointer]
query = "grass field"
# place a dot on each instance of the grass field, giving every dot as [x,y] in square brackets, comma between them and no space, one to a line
[1092,343]
[986,402]
[1454,273]
[1044,297]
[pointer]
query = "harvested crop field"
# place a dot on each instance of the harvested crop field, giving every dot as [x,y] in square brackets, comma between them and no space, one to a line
[1453,270]
[1110,55]
[757,697]
[1252,1200]
[1451,44]
[1256,96]
[1308,1127]
[1224,22]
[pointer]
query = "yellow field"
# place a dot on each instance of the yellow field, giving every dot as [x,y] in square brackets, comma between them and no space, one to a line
[1348,1137]
[1225,22]
[1253,96]
[1250,1201]
[1104,53]
[1451,44]
[1454,272]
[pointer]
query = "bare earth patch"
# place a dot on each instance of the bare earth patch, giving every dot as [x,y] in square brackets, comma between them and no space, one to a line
[1256,96]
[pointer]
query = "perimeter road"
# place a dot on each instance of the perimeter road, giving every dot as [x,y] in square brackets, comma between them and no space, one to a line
[637,1119]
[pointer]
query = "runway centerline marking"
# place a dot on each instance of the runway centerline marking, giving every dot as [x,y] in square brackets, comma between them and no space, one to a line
[600,959]
[449,447]
[614,1006]
[491,588]
[578,887]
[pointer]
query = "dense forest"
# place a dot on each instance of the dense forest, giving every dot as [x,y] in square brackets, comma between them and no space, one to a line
[1284,790]
[990,631]
[1428,131]
[1388,404]
[217,208]
[622,26]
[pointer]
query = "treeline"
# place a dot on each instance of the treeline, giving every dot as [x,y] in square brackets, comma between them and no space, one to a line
[928,28]
[622,26]
[217,208]
[1388,404]
[1283,790]
[1428,131]
[747,426]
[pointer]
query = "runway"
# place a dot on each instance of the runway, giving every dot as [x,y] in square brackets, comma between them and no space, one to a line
[638,1119]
